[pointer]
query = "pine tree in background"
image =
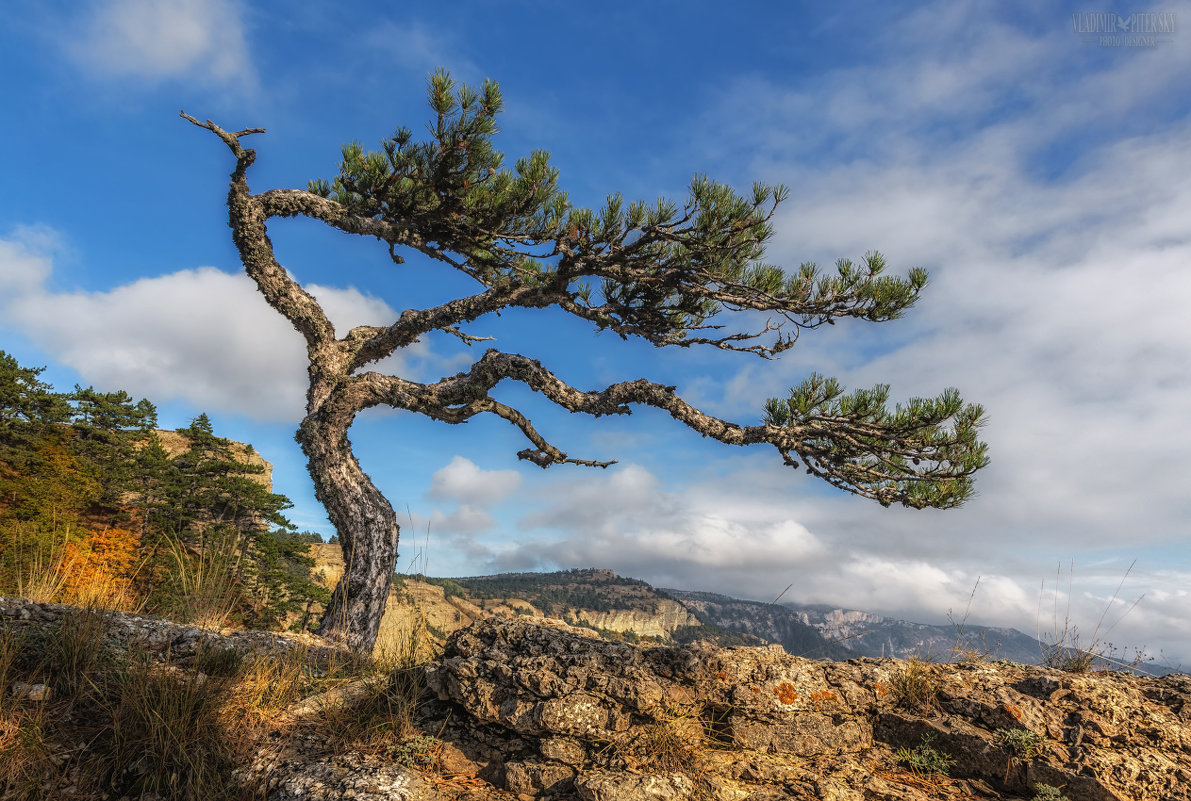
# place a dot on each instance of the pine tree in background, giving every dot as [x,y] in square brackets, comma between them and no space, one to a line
[94,509]
[665,272]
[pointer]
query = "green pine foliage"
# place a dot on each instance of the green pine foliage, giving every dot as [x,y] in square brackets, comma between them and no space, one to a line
[687,262]
[206,528]
[921,453]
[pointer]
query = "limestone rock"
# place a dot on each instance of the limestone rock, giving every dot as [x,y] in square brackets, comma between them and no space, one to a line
[742,723]
[531,711]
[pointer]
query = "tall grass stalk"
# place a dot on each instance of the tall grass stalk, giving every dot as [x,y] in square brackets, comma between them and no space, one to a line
[1063,647]
[36,563]
[204,579]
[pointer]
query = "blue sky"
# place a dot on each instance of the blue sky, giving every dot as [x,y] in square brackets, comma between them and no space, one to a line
[1042,176]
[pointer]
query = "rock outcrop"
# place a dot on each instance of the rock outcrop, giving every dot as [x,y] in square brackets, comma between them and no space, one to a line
[175,443]
[526,710]
[660,622]
[561,714]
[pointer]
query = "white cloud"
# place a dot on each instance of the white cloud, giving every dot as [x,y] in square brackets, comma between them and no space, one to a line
[463,481]
[466,520]
[625,519]
[743,536]
[26,260]
[201,335]
[1053,223]
[154,41]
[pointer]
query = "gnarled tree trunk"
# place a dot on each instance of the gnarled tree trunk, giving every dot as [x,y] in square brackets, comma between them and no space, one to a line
[367,529]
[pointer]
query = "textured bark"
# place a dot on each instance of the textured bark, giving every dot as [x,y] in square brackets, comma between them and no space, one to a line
[363,518]
[368,534]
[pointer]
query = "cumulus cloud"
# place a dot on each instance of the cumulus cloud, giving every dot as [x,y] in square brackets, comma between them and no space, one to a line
[746,538]
[463,481]
[474,491]
[201,335]
[1014,167]
[625,519]
[152,41]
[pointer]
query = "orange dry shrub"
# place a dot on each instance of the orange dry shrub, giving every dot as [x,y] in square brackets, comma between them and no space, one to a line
[97,569]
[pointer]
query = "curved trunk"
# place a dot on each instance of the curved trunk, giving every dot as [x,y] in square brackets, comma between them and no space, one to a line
[368,532]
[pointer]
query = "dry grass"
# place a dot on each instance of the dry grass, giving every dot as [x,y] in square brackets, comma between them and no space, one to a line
[1065,648]
[111,723]
[205,580]
[37,559]
[915,687]
[679,741]
[121,723]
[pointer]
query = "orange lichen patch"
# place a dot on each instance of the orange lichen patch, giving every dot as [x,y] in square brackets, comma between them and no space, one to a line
[826,696]
[880,689]
[1015,711]
[785,693]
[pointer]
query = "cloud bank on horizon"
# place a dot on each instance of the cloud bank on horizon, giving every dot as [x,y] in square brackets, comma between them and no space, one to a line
[1044,180]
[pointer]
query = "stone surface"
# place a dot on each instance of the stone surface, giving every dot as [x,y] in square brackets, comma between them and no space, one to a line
[526,710]
[758,723]
[164,640]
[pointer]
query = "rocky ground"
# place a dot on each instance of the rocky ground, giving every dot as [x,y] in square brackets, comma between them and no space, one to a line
[533,709]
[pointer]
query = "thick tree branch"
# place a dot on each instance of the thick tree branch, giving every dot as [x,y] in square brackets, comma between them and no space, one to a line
[912,463]
[247,217]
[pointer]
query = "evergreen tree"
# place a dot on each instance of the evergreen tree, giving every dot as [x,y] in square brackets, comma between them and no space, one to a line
[86,485]
[660,272]
[27,404]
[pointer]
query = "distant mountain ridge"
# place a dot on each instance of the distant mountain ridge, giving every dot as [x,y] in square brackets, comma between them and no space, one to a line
[851,632]
[619,607]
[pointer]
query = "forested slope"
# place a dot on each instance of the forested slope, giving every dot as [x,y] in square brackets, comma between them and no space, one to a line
[98,507]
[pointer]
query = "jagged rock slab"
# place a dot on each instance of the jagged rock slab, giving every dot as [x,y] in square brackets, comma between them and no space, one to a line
[568,715]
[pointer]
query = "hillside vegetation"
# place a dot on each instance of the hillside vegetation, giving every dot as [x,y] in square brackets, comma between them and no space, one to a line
[98,508]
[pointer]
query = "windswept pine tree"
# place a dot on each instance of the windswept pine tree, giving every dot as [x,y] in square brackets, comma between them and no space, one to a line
[668,273]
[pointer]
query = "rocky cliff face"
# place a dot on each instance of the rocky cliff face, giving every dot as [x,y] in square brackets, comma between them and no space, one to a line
[828,632]
[174,444]
[661,622]
[768,622]
[636,608]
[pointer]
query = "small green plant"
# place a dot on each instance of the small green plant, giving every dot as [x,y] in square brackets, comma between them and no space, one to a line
[1023,744]
[418,751]
[1045,792]
[915,687]
[924,759]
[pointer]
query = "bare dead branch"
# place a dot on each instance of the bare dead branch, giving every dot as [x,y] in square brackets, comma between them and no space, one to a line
[468,339]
